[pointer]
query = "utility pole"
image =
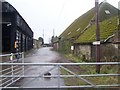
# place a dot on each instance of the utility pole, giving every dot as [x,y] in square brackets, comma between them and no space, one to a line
[97,36]
[0,30]
[118,36]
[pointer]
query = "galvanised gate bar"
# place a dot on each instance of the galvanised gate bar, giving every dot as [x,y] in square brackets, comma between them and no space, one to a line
[12,76]
[11,70]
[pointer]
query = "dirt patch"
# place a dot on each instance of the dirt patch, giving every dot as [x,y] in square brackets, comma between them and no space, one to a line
[75,69]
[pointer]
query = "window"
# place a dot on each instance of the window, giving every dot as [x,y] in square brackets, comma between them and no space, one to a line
[107,11]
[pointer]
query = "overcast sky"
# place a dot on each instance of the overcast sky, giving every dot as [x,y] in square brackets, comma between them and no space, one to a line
[44,16]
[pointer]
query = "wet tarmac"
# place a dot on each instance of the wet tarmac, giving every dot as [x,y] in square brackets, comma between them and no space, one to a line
[42,55]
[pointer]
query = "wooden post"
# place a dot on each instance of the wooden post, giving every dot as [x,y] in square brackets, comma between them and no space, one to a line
[97,36]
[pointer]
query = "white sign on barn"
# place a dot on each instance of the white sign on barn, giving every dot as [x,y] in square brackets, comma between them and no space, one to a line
[72,47]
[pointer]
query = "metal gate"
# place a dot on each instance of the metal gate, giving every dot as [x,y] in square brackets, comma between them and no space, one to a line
[12,76]
[12,69]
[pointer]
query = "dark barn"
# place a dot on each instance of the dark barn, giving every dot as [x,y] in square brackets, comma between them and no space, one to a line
[17,36]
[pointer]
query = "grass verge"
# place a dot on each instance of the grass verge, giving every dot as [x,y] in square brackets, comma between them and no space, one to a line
[90,69]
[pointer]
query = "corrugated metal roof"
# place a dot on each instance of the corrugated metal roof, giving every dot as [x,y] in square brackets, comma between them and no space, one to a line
[3,1]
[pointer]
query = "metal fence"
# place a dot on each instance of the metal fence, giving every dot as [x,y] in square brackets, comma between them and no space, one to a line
[12,69]
[13,76]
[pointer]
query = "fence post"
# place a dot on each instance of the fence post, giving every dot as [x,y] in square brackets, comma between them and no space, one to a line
[23,69]
[58,76]
[12,67]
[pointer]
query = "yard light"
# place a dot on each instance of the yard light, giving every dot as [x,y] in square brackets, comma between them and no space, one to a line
[9,24]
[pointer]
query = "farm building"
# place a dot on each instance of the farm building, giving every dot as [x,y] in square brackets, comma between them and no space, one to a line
[82,33]
[17,36]
[38,43]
